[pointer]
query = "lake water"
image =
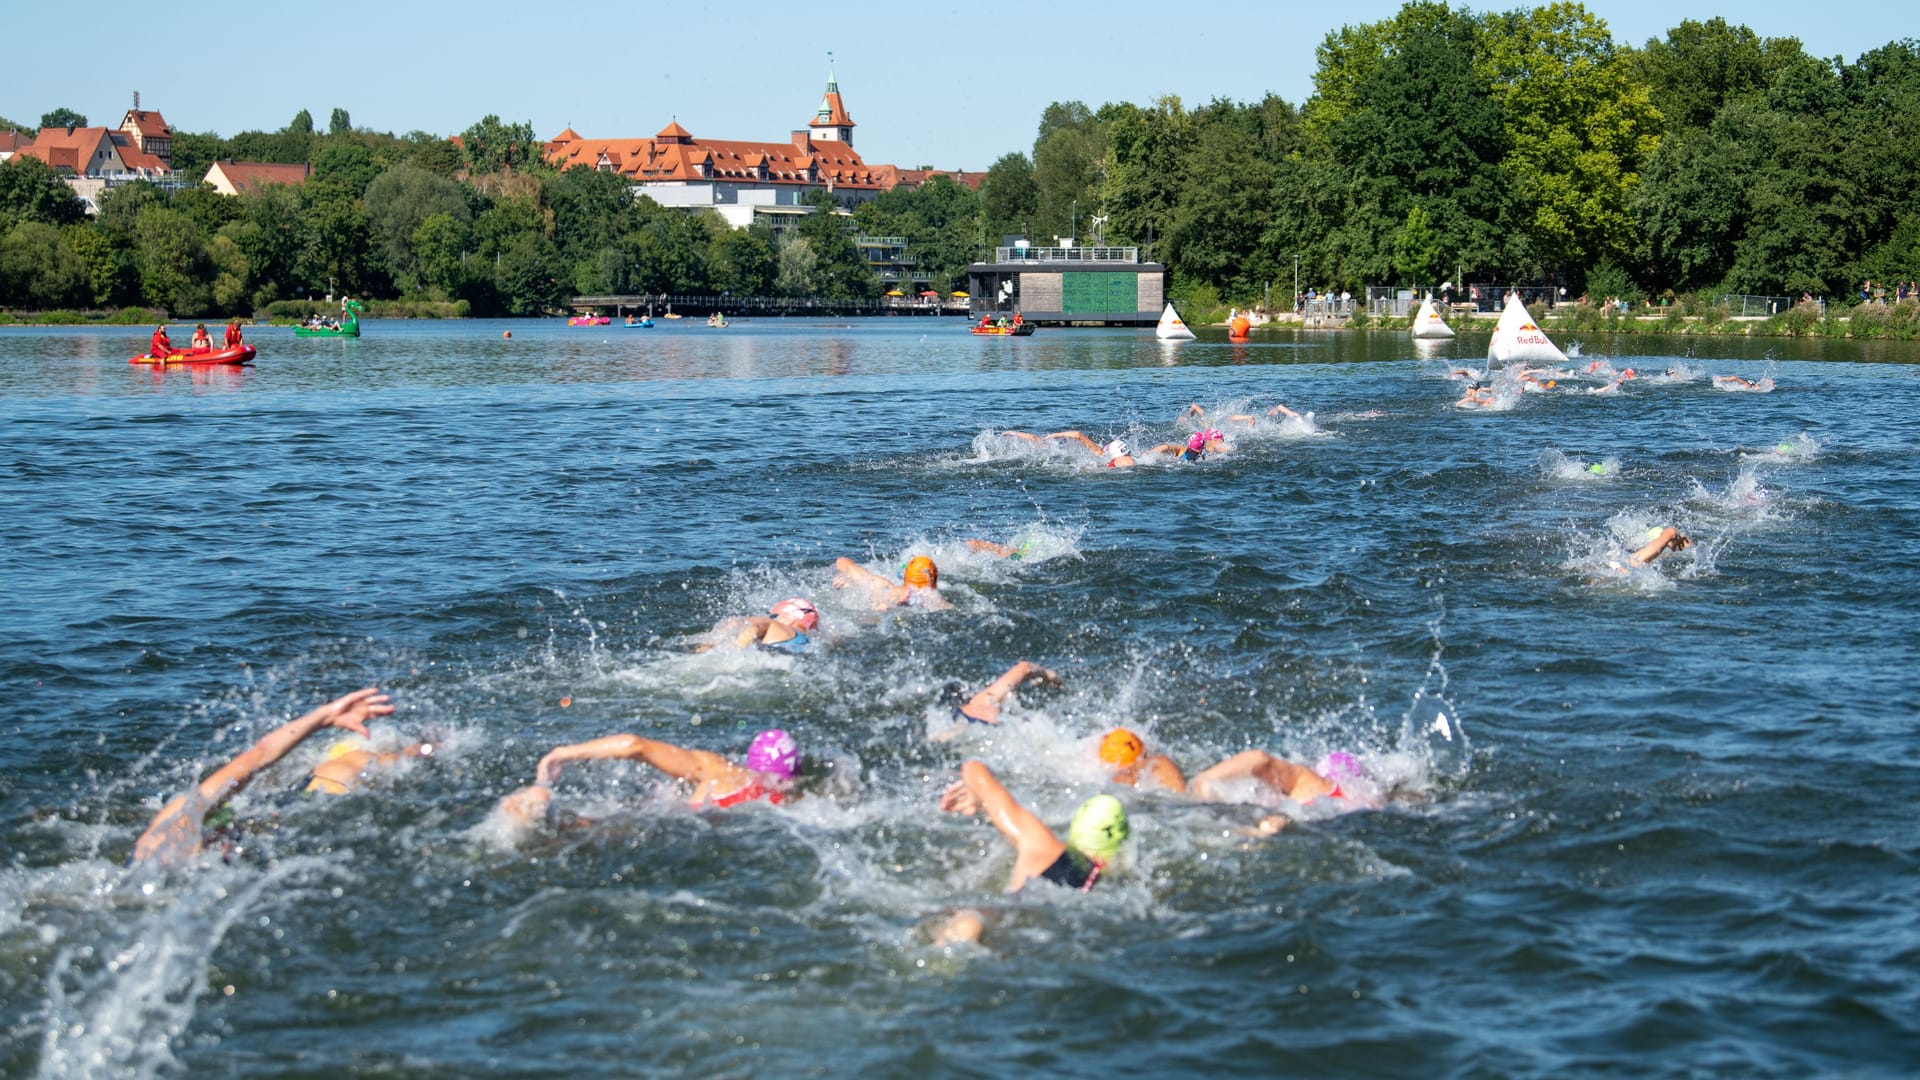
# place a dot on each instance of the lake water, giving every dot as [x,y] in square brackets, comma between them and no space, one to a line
[1655,821]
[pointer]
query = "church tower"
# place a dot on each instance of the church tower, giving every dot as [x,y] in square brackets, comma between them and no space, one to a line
[831,123]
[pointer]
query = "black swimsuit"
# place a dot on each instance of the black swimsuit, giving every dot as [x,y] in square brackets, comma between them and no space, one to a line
[1073,870]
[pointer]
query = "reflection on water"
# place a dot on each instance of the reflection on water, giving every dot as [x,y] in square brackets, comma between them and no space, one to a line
[1581,862]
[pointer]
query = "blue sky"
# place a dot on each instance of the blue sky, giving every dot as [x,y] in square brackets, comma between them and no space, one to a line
[935,84]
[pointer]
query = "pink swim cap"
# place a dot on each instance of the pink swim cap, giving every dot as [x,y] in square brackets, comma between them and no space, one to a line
[800,610]
[1341,765]
[1200,439]
[775,753]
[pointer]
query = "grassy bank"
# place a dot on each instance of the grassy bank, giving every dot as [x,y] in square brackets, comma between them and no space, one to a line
[115,317]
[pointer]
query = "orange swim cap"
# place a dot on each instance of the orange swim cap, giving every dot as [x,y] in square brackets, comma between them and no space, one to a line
[1121,747]
[921,573]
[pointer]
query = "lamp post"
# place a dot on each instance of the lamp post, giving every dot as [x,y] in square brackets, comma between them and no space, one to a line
[1073,223]
[1296,283]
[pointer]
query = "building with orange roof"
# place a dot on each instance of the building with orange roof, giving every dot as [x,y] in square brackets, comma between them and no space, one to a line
[743,180]
[92,159]
[246,177]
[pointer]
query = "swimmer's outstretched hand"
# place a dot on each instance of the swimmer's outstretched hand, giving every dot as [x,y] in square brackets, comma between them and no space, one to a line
[354,710]
[959,800]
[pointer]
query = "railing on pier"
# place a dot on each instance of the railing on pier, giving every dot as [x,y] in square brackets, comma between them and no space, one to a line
[1746,305]
[1067,254]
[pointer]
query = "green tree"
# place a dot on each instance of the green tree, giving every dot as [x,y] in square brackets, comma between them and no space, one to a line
[798,272]
[301,124]
[1009,201]
[31,191]
[839,269]
[63,118]
[1068,160]
[107,258]
[193,154]
[171,256]
[530,276]
[440,247]
[740,261]
[38,270]
[491,145]
[1579,129]
[346,162]
[434,153]
[1226,197]
[337,251]
[399,201]
[1147,159]
[1701,66]
[232,285]
[339,124]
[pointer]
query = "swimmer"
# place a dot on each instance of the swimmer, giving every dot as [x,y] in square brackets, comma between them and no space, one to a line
[1735,382]
[773,759]
[1127,754]
[984,707]
[1004,551]
[1114,453]
[783,629]
[1664,539]
[919,587]
[1198,445]
[1477,396]
[347,764]
[1194,409]
[179,831]
[1095,834]
[1284,778]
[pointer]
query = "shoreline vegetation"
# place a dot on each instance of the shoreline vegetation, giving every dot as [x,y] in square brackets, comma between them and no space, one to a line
[1690,318]
[1522,149]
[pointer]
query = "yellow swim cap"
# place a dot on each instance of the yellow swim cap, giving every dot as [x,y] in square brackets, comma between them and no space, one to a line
[1098,827]
[921,573]
[341,749]
[1121,747]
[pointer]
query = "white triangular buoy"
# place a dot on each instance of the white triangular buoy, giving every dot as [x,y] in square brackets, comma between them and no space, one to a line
[1518,340]
[1428,323]
[1171,328]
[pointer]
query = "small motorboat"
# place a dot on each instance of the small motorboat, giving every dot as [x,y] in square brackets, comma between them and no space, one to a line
[235,354]
[1017,327]
[589,320]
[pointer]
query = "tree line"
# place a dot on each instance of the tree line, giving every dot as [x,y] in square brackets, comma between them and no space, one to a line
[1520,146]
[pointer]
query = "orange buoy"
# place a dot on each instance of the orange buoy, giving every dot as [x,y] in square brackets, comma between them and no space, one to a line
[565,702]
[1238,327]
[506,333]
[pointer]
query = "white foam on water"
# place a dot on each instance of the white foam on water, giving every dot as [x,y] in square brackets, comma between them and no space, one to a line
[1555,465]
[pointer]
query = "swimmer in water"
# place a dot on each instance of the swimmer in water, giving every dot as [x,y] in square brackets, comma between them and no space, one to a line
[1194,409]
[348,763]
[1114,453]
[773,760]
[1477,396]
[1198,445]
[919,587]
[1127,754]
[1663,540]
[1285,778]
[783,629]
[179,831]
[1735,382]
[984,707]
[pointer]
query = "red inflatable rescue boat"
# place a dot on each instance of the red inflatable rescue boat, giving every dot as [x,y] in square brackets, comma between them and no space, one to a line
[236,354]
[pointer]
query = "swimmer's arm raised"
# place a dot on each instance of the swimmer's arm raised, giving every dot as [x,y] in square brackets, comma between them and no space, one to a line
[1080,437]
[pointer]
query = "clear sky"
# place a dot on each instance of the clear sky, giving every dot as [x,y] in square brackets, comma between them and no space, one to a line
[950,85]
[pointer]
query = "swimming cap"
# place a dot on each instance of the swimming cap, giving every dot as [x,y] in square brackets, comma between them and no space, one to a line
[1098,827]
[921,573]
[341,749]
[1121,747]
[1200,439]
[775,753]
[1597,468]
[1786,448]
[1339,766]
[1116,448]
[799,609]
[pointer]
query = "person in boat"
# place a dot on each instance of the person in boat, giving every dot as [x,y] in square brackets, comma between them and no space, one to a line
[160,347]
[1114,453]
[919,584]
[984,707]
[233,334]
[191,821]
[783,629]
[202,341]
[770,773]
[986,322]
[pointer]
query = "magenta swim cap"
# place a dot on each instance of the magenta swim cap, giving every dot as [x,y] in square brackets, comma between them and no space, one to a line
[775,753]
[1200,439]
[1341,765]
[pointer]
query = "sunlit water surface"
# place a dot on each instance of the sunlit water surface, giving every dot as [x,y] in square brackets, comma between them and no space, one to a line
[1646,822]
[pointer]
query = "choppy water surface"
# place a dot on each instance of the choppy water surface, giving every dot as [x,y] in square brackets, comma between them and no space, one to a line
[1646,822]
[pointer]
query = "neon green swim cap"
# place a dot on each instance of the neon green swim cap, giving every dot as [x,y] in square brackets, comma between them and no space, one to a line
[1098,827]
[1597,468]
[1786,448]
